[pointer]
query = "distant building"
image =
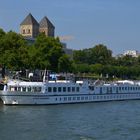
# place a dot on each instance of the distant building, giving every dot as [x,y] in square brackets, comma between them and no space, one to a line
[30,28]
[118,56]
[132,53]
[67,51]
[47,27]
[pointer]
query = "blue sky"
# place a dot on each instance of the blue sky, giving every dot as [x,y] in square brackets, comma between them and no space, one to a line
[114,23]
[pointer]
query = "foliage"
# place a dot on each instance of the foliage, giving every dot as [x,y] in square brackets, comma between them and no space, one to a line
[47,53]
[64,64]
[98,54]
[16,53]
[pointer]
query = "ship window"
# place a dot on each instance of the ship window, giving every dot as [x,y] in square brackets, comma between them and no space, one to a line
[19,88]
[69,89]
[59,89]
[49,89]
[34,89]
[38,89]
[78,98]
[64,89]
[65,98]
[77,89]
[74,98]
[73,89]
[92,88]
[101,90]
[24,89]
[69,98]
[54,89]
[15,88]
[29,89]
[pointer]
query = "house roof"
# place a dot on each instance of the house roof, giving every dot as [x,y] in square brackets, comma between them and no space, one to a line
[29,20]
[45,23]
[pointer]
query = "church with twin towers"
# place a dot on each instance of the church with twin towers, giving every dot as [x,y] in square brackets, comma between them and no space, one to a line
[30,28]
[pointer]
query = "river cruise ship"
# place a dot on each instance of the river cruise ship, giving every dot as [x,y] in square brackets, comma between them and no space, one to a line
[63,91]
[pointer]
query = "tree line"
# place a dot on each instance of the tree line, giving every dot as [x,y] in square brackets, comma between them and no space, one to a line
[46,52]
[99,61]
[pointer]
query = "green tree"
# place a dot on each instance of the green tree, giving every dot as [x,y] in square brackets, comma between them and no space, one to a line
[49,50]
[127,61]
[96,68]
[82,68]
[54,54]
[100,54]
[10,46]
[80,56]
[2,33]
[64,64]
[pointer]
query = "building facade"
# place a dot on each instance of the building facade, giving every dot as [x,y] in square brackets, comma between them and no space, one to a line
[47,27]
[30,28]
[132,53]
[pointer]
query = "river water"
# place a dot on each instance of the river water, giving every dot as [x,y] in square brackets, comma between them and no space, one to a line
[117,120]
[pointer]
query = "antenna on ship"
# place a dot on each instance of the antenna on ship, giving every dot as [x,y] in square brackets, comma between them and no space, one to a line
[44,76]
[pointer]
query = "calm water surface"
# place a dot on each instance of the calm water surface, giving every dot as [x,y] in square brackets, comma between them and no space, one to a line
[118,120]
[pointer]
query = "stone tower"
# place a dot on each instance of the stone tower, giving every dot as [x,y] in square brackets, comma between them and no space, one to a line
[47,27]
[29,27]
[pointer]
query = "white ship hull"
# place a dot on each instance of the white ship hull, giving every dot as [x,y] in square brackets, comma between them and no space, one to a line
[63,92]
[33,99]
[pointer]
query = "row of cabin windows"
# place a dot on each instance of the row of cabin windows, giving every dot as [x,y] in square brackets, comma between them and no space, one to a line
[95,97]
[116,97]
[120,88]
[72,98]
[129,88]
[25,89]
[63,89]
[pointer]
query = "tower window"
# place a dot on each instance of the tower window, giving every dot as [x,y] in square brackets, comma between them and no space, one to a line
[29,31]
[23,31]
